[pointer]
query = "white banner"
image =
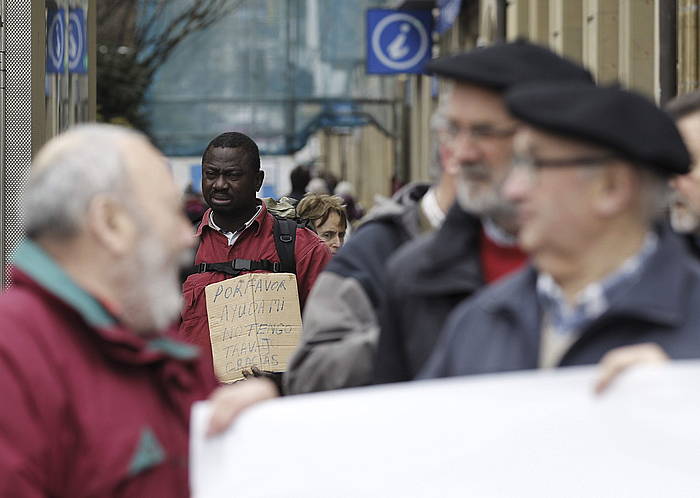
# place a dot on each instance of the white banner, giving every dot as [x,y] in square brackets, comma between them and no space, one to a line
[536,434]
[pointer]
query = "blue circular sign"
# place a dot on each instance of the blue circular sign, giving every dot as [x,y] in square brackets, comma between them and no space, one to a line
[400,41]
[55,40]
[76,41]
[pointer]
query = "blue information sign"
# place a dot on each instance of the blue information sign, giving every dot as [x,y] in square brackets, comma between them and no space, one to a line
[398,41]
[55,40]
[77,41]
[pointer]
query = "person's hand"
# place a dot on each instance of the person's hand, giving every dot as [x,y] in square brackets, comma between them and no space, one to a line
[618,360]
[229,401]
[254,372]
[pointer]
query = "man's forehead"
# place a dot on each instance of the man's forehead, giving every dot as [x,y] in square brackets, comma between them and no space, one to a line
[473,102]
[225,156]
[533,140]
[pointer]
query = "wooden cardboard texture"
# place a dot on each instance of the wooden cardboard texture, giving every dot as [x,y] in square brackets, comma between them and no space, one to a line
[254,320]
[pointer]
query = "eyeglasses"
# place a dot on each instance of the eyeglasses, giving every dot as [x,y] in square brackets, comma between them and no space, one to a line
[532,165]
[481,132]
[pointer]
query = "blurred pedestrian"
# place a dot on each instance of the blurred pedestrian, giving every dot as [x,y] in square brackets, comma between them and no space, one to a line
[194,205]
[346,191]
[589,183]
[477,244]
[237,233]
[299,178]
[317,185]
[685,204]
[96,397]
[326,214]
[330,179]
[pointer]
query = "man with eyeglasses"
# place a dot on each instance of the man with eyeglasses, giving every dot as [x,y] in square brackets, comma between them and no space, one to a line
[477,243]
[589,184]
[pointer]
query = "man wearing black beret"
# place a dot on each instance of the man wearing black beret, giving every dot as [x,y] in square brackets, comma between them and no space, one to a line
[476,245]
[589,183]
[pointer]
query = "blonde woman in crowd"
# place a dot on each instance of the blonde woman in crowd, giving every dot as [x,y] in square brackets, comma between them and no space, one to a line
[327,216]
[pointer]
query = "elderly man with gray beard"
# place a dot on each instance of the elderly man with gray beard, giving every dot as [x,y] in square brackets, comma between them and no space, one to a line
[96,398]
[685,206]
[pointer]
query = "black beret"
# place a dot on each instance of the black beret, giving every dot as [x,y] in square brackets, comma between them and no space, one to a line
[625,122]
[503,65]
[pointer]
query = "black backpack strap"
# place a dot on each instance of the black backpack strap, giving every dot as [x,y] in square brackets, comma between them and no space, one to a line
[285,236]
[236,266]
[285,233]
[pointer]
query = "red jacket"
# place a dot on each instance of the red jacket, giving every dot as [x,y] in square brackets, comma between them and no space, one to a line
[88,407]
[255,243]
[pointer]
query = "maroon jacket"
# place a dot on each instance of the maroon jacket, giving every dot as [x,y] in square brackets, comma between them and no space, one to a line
[88,407]
[255,243]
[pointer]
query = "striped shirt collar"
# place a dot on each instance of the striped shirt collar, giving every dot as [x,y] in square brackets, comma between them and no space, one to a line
[596,298]
[233,236]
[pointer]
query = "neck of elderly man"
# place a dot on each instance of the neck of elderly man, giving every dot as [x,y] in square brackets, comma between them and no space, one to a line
[603,218]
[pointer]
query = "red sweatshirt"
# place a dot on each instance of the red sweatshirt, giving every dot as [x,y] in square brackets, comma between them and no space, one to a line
[255,243]
[88,407]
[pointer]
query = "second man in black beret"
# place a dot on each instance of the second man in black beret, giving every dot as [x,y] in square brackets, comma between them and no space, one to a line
[589,183]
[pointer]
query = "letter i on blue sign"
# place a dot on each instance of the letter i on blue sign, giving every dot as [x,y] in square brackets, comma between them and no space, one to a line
[398,41]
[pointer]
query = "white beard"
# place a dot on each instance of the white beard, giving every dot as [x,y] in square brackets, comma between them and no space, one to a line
[154,299]
[683,218]
[477,195]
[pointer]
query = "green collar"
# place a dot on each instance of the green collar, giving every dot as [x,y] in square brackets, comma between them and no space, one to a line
[35,262]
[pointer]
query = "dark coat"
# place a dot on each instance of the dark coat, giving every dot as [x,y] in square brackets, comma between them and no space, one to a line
[340,330]
[426,279]
[499,330]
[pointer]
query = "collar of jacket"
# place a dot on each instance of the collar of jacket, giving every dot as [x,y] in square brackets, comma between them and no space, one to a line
[35,268]
[406,197]
[656,298]
[255,226]
[449,262]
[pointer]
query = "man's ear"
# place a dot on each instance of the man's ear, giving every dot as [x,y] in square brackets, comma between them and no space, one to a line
[259,177]
[111,225]
[615,187]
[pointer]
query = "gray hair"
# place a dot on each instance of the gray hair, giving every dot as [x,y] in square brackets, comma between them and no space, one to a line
[69,172]
[437,122]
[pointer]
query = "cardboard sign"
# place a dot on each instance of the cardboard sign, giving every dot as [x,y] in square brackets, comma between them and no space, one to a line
[254,320]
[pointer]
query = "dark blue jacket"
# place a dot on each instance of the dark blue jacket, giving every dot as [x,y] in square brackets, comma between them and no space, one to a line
[499,329]
[427,279]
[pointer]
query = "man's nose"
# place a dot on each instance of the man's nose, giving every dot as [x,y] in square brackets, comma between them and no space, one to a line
[465,148]
[516,184]
[220,183]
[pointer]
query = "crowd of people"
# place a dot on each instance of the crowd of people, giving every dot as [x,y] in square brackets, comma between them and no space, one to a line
[562,229]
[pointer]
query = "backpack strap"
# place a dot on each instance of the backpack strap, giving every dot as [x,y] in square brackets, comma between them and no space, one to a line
[285,232]
[236,266]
